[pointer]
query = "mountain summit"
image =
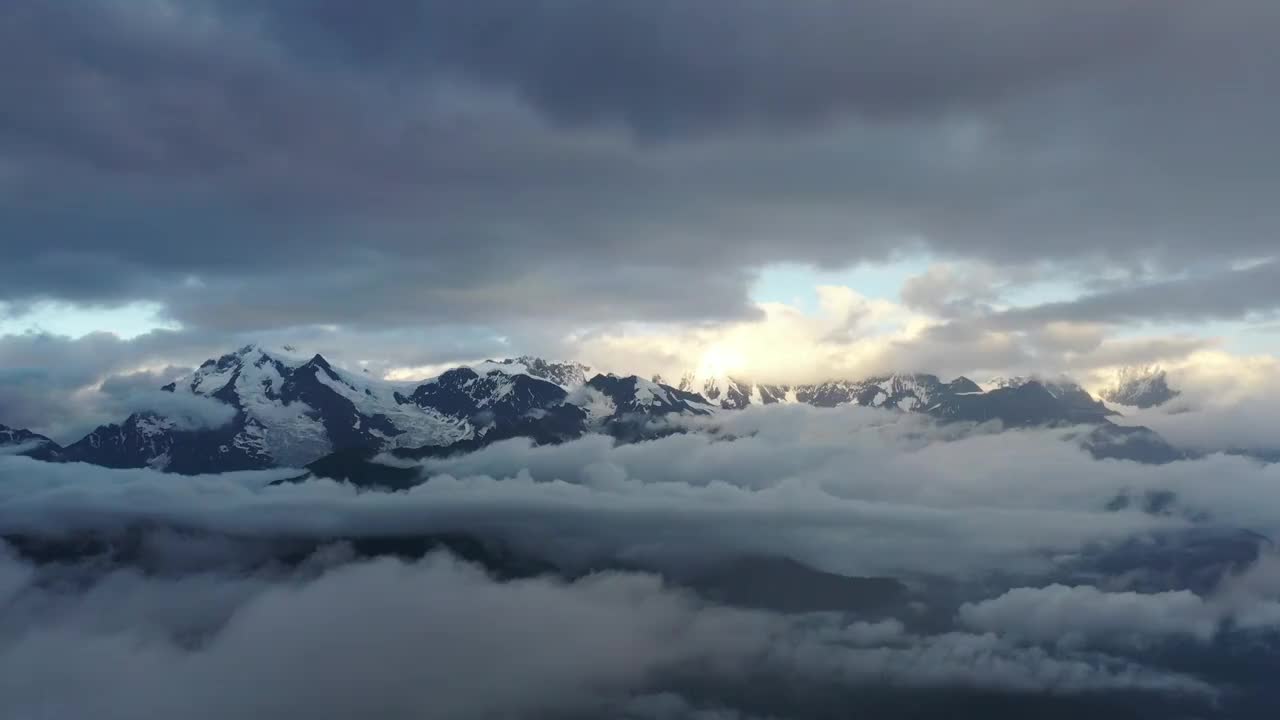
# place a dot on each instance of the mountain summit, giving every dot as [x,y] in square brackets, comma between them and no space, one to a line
[282,408]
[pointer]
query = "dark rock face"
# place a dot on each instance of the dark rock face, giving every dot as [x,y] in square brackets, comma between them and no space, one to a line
[141,547]
[785,585]
[345,426]
[1021,406]
[1121,442]
[637,396]
[1197,558]
[147,440]
[493,399]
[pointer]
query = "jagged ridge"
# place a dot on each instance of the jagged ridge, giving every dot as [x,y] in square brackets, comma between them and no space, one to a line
[290,410]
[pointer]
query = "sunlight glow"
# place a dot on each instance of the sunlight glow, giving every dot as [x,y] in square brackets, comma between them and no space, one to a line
[721,361]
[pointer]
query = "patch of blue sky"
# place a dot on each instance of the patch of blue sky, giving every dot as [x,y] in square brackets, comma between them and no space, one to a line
[125,321]
[796,285]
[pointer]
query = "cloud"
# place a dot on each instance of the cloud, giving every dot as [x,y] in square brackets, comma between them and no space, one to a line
[1214,295]
[1227,402]
[464,645]
[186,411]
[996,534]
[840,339]
[1086,616]
[851,336]
[849,490]
[649,185]
[140,392]
[1068,615]
[20,448]
[787,68]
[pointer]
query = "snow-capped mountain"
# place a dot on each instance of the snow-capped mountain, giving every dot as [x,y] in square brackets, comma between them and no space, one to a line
[632,395]
[908,392]
[278,408]
[731,393]
[1143,387]
[289,410]
[15,441]
[1014,401]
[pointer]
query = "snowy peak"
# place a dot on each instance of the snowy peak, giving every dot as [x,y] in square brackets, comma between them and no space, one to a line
[726,392]
[903,391]
[635,395]
[1016,401]
[565,374]
[218,378]
[1142,387]
[289,409]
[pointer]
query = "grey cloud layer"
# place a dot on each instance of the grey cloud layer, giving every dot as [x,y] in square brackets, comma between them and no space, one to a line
[848,490]
[260,166]
[210,633]
[1224,294]
[437,639]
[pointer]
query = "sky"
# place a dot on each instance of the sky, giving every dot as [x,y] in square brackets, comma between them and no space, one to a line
[782,191]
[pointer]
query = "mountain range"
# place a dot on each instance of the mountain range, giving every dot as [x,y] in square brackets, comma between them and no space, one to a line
[273,408]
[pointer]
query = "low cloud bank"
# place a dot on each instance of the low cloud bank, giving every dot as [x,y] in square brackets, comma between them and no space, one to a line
[437,638]
[1031,569]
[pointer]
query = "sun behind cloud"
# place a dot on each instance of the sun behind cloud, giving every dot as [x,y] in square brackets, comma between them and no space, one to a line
[721,361]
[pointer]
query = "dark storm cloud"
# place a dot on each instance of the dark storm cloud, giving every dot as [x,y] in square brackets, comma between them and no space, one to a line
[42,379]
[659,68]
[259,165]
[1222,295]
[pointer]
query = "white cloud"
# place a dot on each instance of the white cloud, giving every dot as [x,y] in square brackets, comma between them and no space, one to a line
[1076,615]
[851,336]
[187,411]
[1227,402]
